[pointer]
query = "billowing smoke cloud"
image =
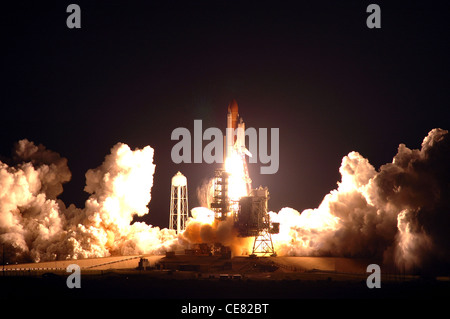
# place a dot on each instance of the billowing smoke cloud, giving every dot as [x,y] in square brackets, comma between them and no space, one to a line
[35,225]
[399,213]
[203,228]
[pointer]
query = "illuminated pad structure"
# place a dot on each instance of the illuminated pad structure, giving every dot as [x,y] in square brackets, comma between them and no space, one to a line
[253,220]
[220,204]
[249,213]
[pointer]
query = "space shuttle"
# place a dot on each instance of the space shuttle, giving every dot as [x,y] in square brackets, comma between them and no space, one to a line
[235,132]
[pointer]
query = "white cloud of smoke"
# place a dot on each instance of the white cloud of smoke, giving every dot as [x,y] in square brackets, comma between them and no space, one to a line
[203,228]
[399,213]
[35,225]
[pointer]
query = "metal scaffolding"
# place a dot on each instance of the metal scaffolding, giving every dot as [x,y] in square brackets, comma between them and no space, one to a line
[221,203]
[253,220]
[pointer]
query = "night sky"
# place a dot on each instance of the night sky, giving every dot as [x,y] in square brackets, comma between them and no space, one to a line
[135,71]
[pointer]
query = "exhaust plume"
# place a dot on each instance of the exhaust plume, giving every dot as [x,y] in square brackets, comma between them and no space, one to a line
[203,228]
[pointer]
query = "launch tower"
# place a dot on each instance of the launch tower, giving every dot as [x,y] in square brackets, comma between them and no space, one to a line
[250,210]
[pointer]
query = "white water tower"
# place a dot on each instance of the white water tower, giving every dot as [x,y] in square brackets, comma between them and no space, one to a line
[178,203]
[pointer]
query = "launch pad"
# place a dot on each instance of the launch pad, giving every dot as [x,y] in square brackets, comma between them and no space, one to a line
[213,277]
[197,266]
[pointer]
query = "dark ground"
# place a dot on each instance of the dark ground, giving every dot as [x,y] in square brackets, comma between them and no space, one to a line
[138,293]
[145,286]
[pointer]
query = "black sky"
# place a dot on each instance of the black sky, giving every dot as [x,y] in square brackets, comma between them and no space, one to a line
[137,70]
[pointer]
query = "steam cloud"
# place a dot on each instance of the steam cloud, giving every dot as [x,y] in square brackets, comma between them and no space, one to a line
[400,213]
[35,225]
[202,228]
